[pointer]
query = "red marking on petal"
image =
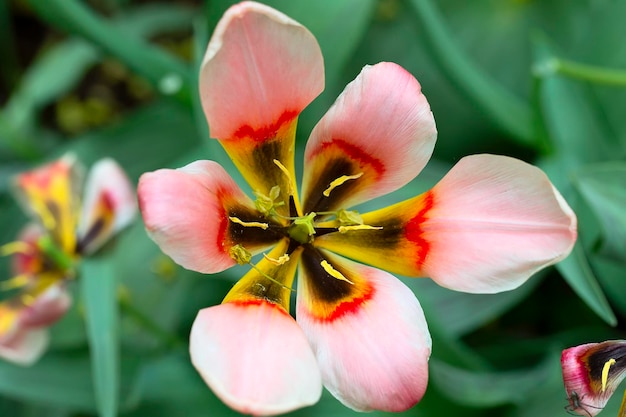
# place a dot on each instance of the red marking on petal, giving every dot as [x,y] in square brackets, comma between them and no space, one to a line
[42,176]
[251,301]
[351,306]
[264,133]
[413,228]
[355,153]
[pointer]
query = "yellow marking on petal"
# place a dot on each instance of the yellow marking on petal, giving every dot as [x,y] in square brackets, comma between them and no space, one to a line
[334,273]
[605,372]
[344,229]
[248,224]
[15,282]
[339,181]
[280,261]
[13,248]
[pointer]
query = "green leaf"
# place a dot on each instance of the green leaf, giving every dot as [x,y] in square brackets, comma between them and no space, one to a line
[603,186]
[578,274]
[55,380]
[461,313]
[488,389]
[98,285]
[577,131]
[611,276]
[505,109]
[153,63]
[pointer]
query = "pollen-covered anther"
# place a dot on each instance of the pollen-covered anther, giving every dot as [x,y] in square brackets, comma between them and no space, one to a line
[344,229]
[280,261]
[334,273]
[15,282]
[263,226]
[605,372]
[13,248]
[267,204]
[240,254]
[339,181]
[349,217]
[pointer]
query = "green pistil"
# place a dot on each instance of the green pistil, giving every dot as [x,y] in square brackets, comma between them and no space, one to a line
[61,260]
[302,230]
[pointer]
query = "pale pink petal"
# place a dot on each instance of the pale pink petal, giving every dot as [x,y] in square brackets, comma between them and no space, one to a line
[255,358]
[372,346]
[186,212]
[47,308]
[26,347]
[380,126]
[261,68]
[494,222]
[109,204]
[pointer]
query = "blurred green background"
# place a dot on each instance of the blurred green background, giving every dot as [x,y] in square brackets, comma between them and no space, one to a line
[543,81]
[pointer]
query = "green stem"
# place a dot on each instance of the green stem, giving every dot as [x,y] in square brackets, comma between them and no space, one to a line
[589,73]
[168,339]
[512,114]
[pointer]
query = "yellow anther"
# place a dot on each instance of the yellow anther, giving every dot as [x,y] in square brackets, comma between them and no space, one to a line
[605,372]
[12,248]
[15,282]
[280,261]
[27,299]
[344,229]
[248,224]
[339,181]
[334,273]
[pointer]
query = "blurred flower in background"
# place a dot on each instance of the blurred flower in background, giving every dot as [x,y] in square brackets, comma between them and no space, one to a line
[46,253]
[591,374]
[486,227]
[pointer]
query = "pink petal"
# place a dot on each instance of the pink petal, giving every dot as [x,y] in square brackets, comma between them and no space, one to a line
[381,126]
[373,345]
[260,67]
[26,347]
[255,358]
[109,204]
[494,222]
[186,212]
[47,308]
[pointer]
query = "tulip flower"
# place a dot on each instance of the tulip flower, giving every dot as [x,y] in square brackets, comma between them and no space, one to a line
[47,251]
[591,374]
[487,226]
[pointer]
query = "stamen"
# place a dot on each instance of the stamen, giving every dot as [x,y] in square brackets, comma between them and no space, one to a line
[280,261]
[339,181]
[12,248]
[333,272]
[605,372]
[248,224]
[15,282]
[27,299]
[287,174]
[344,229]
